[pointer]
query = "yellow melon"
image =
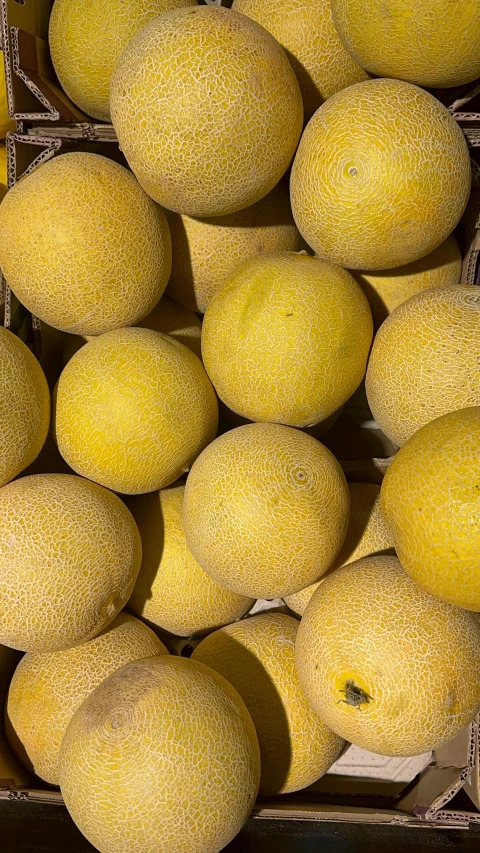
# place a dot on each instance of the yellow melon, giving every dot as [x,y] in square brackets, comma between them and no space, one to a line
[257,656]
[206,251]
[306,31]
[265,510]
[431,498]
[433,43]
[386,665]
[367,533]
[24,406]
[6,123]
[424,360]
[207,110]
[381,176]
[3,172]
[286,339]
[87,39]
[166,317]
[47,689]
[70,552]
[82,246]
[172,591]
[387,289]
[133,409]
[162,756]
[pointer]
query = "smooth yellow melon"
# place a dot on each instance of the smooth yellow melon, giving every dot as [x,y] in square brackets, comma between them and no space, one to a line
[86,40]
[70,552]
[367,533]
[207,110]
[433,43]
[381,176]
[172,591]
[431,498]
[206,251]
[286,339]
[166,317]
[47,689]
[265,510]
[24,406]
[133,409]
[82,246]
[257,656]
[424,360]
[162,757]
[387,289]
[306,31]
[7,124]
[3,172]
[386,665]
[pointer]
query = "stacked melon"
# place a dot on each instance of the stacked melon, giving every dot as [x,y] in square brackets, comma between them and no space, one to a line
[340,285]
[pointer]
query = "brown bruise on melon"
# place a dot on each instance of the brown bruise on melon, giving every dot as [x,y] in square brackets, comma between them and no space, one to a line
[207,110]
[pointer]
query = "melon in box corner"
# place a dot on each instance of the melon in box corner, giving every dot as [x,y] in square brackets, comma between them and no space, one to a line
[207,110]
[381,176]
[82,246]
[433,43]
[87,38]
[162,757]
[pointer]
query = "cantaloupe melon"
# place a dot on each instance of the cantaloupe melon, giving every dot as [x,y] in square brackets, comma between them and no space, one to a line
[134,408]
[286,339]
[257,656]
[433,43]
[381,176]
[367,533]
[6,123]
[86,40]
[24,406]
[265,510]
[82,246]
[386,665]
[431,498]
[162,757]
[424,360]
[206,251]
[70,552]
[47,689]
[207,110]
[387,289]
[306,31]
[172,591]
